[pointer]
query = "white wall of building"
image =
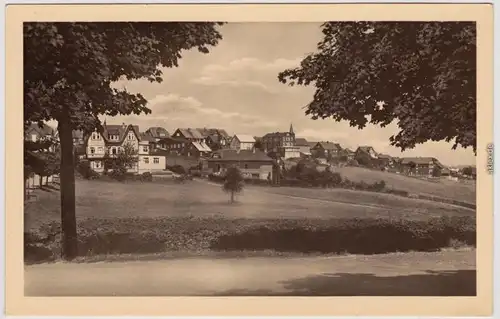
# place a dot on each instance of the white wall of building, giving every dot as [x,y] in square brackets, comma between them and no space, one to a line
[152,163]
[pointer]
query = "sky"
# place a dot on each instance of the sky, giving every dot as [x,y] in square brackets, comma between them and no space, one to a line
[235,87]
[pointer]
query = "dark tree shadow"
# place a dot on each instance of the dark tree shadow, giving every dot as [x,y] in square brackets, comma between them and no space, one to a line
[432,283]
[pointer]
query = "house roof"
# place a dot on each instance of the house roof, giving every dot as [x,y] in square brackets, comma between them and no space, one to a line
[384,156]
[365,148]
[174,139]
[329,145]
[157,132]
[245,138]
[243,155]
[191,133]
[276,134]
[301,141]
[201,146]
[145,137]
[212,131]
[120,130]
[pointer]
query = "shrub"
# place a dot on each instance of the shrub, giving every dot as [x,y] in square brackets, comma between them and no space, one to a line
[147,177]
[83,168]
[118,173]
[178,169]
[195,172]
[193,234]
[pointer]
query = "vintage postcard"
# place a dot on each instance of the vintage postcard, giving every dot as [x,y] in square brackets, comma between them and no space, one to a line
[249,159]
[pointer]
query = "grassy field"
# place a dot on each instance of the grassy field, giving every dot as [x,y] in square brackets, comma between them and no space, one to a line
[99,199]
[447,189]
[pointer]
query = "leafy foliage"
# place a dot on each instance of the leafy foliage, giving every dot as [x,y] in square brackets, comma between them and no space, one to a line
[41,157]
[125,159]
[69,72]
[436,171]
[105,236]
[420,74]
[467,171]
[233,182]
[71,66]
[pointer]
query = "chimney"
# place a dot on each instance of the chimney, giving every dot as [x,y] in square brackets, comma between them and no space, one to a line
[123,125]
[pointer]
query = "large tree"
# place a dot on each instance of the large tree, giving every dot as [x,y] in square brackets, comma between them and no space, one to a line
[69,69]
[422,75]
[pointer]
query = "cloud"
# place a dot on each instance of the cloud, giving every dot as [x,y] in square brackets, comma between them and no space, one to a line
[246,72]
[173,111]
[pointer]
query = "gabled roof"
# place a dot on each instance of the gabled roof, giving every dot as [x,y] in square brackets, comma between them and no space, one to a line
[157,132]
[212,131]
[201,146]
[191,133]
[301,141]
[329,146]
[120,130]
[245,138]
[243,155]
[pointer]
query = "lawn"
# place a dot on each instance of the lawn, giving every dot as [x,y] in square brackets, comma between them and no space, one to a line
[465,192]
[157,217]
[99,199]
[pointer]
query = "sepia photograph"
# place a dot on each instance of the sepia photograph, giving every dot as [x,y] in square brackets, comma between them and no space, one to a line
[235,158]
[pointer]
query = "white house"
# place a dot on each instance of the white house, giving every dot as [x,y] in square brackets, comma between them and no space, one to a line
[242,142]
[112,139]
[150,160]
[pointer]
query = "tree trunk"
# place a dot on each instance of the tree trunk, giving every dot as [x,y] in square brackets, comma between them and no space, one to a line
[40,177]
[232,197]
[67,189]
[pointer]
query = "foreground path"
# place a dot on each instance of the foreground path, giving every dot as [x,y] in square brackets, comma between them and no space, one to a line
[410,274]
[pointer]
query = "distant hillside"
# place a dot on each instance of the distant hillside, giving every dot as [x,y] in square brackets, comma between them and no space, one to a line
[444,189]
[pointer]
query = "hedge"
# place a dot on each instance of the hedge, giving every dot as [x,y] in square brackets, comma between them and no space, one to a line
[192,234]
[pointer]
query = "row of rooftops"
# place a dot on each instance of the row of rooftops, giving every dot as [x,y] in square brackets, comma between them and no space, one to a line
[196,134]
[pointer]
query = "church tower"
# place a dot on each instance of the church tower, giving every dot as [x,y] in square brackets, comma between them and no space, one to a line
[291,129]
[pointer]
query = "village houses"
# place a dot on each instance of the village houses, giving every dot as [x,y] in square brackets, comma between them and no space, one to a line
[252,163]
[242,142]
[326,150]
[282,143]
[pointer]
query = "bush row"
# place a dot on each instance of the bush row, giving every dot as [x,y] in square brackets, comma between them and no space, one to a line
[192,234]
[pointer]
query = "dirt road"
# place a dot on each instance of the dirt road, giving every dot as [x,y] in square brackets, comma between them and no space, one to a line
[409,274]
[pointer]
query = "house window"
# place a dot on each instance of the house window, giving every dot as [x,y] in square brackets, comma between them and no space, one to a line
[146,160]
[97,164]
[92,150]
[246,166]
[189,154]
[113,151]
[100,149]
[33,137]
[156,160]
[145,148]
[130,136]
